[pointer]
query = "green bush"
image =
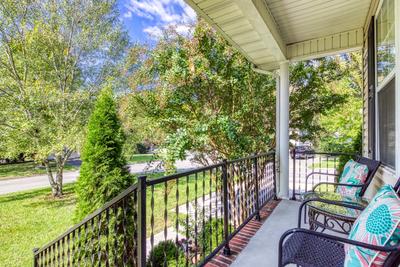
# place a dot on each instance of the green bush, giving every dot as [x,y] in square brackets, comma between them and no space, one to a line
[356,147]
[166,251]
[141,148]
[103,173]
[208,236]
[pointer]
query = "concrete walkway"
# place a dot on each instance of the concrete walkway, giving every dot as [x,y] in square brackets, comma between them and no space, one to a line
[262,250]
[41,181]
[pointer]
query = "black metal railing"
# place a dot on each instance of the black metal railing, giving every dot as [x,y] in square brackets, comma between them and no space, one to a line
[197,211]
[310,168]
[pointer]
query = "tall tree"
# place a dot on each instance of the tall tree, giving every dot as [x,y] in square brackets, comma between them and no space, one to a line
[342,125]
[206,97]
[103,173]
[54,55]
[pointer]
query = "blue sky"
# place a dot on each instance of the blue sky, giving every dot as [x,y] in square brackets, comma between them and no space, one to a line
[146,19]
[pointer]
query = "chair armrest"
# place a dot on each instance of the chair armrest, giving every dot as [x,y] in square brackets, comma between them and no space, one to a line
[336,184]
[338,239]
[319,173]
[326,201]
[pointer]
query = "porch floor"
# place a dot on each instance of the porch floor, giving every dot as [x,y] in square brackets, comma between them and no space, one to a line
[263,246]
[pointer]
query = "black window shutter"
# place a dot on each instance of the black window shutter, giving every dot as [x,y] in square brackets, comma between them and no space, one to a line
[371,90]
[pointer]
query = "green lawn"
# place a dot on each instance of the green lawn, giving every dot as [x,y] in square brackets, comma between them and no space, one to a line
[33,218]
[27,169]
[323,164]
[9,171]
[140,158]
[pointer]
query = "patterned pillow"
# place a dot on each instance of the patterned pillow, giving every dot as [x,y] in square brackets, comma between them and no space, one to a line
[378,224]
[353,173]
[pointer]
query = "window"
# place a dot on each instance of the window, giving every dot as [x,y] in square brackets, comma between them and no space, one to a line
[385,42]
[387,129]
[385,81]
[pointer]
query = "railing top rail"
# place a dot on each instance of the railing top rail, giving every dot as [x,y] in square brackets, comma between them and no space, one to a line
[269,153]
[329,153]
[201,169]
[182,174]
[90,216]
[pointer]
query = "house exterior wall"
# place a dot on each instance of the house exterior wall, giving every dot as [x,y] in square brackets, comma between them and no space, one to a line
[385,175]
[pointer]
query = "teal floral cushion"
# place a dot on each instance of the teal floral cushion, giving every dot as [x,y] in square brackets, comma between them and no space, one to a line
[353,173]
[378,224]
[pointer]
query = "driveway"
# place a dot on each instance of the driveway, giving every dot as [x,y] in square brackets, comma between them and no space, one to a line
[41,181]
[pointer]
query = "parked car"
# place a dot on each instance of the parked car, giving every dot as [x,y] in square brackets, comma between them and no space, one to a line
[303,150]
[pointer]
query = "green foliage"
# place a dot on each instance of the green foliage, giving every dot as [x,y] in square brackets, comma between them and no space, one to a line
[311,96]
[342,125]
[103,174]
[53,57]
[166,251]
[210,234]
[206,97]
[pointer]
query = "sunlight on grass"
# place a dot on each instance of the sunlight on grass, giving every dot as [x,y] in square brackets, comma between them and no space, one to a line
[140,158]
[26,169]
[31,219]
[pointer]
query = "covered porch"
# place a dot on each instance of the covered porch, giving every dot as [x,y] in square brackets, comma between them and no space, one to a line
[274,33]
[231,194]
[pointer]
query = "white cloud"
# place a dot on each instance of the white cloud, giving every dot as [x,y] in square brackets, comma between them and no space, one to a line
[164,13]
[155,32]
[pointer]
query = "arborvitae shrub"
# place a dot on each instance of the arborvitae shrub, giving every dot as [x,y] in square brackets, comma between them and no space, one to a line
[103,173]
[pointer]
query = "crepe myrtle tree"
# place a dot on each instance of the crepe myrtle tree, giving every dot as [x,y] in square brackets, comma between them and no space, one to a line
[206,97]
[54,57]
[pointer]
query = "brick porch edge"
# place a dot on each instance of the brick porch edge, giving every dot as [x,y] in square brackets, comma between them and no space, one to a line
[242,238]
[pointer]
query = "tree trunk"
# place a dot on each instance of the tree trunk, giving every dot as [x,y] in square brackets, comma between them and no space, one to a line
[57,183]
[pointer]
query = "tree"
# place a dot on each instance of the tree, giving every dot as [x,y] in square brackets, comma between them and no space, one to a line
[103,174]
[206,97]
[53,57]
[342,125]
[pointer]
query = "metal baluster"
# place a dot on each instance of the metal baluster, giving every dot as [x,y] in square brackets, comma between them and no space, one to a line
[187,218]
[177,218]
[210,215]
[142,221]
[233,204]
[227,250]
[115,235]
[294,174]
[165,220]
[255,162]
[195,215]
[107,240]
[216,206]
[125,232]
[152,223]
[204,216]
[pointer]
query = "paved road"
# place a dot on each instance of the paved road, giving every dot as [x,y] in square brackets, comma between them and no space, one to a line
[40,181]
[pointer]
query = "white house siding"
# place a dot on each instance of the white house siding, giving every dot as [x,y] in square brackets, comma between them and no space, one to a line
[385,175]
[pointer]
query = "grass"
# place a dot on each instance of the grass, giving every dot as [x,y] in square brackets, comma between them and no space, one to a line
[323,164]
[33,218]
[140,158]
[26,169]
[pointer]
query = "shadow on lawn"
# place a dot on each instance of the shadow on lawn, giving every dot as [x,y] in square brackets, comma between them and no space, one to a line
[42,197]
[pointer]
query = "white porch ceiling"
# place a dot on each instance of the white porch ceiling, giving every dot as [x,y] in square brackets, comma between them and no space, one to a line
[270,31]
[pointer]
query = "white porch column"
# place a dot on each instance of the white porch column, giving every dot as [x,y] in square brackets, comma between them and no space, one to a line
[277,148]
[284,130]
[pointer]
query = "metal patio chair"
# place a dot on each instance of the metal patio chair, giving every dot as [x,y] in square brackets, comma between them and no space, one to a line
[308,248]
[332,217]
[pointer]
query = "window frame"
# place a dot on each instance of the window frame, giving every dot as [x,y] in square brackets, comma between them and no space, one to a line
[384,83]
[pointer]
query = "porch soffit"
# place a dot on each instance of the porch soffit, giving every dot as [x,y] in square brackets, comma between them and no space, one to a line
[270,31]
